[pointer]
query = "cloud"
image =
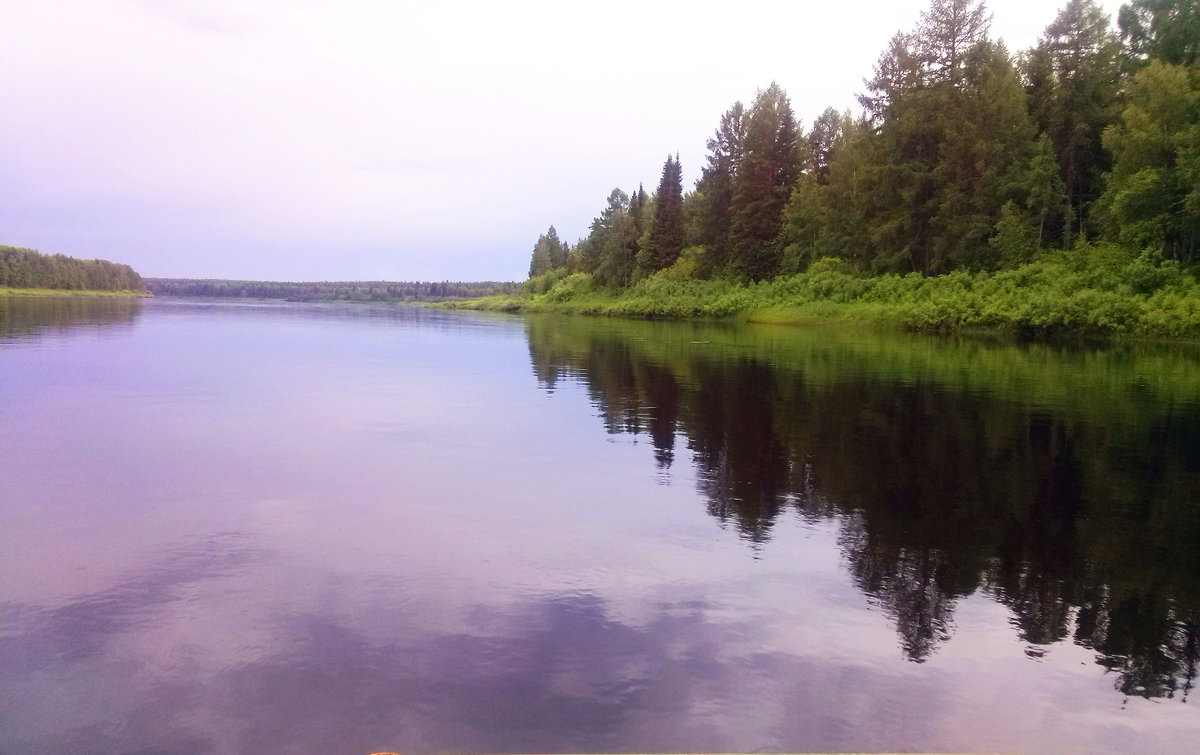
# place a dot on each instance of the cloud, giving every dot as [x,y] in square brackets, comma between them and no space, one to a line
[558,674]
[239,21]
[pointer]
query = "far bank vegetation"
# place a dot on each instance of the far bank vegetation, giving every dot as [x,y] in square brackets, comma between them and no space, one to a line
[26,269]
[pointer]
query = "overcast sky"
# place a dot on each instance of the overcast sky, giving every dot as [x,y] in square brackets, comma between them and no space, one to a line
[351,140]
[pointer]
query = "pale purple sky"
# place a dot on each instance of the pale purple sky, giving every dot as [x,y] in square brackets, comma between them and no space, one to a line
[305,140]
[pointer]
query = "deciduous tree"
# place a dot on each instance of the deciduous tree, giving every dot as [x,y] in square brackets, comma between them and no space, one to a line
[1153,193]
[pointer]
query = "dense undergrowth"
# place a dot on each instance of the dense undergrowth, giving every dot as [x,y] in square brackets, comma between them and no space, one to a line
[1095,289]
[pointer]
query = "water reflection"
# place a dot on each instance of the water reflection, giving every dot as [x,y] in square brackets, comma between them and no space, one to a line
[1062,482]
[245,526]
[25,317]
[560,673]
[333,313]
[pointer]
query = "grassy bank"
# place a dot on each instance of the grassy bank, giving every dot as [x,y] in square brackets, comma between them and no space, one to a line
[1097,289]
[4,291]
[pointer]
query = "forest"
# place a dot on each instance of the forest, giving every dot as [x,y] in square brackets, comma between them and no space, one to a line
[26,268]
[368,291]
[1078,158]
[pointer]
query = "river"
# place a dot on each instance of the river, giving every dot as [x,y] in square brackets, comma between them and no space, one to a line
[235,526]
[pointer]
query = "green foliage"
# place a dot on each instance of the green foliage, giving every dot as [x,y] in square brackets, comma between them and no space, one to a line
[548,254]
[686,266]
[664,240]
[1163,30]
[611,249]
[950,144]
[961,169]
[1047,200]
[27,269]
[716,188]
[804,219]
[823,141]
[569,287]
[1072,100]
[1093,289]
[540,284]
[770,164]
[1153,194]
[1015,240]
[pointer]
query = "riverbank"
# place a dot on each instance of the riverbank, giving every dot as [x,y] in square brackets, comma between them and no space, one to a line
[1094,290]
[69,292]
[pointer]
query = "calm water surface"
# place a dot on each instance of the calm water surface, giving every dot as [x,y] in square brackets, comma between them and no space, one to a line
[264,527]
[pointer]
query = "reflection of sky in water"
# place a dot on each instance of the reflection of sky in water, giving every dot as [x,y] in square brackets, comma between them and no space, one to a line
[305,529]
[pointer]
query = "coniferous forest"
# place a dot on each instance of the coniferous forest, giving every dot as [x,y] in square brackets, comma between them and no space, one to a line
[1056,187]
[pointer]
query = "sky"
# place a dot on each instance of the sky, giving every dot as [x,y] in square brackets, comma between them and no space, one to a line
[366,140]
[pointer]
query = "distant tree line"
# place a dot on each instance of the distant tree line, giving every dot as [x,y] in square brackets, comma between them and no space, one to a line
[963,156]
[377,291]
[26,268]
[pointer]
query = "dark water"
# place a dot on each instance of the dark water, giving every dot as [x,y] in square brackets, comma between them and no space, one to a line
[320,528]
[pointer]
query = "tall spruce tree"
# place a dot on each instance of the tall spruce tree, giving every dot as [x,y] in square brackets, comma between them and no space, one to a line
[1073,89]
[716,187]
[822,140]
[1047,198]
[637,206]
[666,232]
[904,113]
[771,163]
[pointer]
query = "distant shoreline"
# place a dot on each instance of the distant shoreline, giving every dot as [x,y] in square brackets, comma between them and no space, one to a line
[49,292]
[382,292]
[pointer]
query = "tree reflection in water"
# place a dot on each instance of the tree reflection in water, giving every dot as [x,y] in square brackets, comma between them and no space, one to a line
[1062,482]
[27,317]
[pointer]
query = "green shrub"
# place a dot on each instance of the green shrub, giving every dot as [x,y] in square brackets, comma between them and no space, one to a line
[1092,289]
[570,287]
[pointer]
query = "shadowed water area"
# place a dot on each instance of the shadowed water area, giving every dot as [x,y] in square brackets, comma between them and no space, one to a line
[238,527]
